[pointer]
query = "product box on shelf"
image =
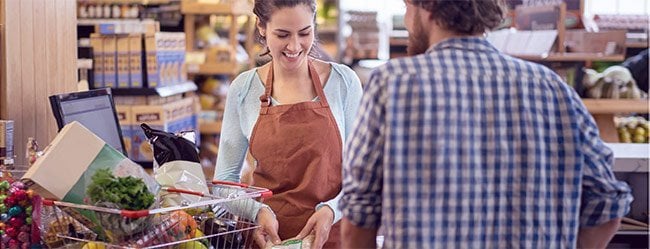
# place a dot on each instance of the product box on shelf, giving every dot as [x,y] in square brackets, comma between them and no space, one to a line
[152,60]
[110,61]
[165,58]
[145,100]
[135,60]
[126,125]
[97,43]
[6,141]
[123,68]
[171,117]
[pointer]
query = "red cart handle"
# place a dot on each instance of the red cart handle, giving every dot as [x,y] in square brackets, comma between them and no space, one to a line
[134,214]
[183,191]
[230,183]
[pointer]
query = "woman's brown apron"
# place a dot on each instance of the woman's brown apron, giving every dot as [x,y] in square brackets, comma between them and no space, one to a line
[298,152]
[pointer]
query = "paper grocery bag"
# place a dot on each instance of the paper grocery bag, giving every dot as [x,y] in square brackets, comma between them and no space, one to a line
[69,162]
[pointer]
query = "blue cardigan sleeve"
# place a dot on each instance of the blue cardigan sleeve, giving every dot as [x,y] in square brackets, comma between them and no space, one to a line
[232,143]
[352,98]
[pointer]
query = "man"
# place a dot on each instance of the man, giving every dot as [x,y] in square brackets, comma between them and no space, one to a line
[460,146]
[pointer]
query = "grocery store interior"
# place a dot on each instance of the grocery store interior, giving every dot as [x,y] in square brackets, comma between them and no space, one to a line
[169,63]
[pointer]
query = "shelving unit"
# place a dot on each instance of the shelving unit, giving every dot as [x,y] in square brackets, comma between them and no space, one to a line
[191,10]
[612,106]
[571,57]
[227,68]
[211,128]
[603,111]
[142,2]
[636,44]
[632,164]
[163,91]
[235,8]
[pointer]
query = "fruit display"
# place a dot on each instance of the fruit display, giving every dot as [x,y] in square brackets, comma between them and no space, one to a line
[632,129]
[16,221]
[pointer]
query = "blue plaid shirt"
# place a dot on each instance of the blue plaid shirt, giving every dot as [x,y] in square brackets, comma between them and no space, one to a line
[465,147]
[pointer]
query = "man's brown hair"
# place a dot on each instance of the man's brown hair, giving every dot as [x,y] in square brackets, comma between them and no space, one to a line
[465,17]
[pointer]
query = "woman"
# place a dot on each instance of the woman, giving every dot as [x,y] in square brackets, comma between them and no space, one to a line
[295,113]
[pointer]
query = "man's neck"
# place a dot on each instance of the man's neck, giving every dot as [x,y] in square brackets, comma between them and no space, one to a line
[441,35]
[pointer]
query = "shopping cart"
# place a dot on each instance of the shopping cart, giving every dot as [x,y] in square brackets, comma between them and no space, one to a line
[213,222]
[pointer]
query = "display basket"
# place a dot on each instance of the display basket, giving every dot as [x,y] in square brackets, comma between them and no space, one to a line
[213,222]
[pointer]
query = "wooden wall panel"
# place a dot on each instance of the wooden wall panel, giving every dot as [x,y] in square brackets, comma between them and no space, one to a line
[40,51]
[40,78]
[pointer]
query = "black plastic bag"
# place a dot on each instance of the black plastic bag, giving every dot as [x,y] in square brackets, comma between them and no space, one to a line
[169,147]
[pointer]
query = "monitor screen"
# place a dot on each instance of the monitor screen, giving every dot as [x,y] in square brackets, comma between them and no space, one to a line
[93,109]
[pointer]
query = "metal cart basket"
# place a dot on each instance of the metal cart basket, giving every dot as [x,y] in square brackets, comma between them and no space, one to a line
[210,223]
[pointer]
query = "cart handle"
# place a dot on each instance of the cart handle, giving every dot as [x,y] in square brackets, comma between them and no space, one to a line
[265,194]
[183,191]
[230,183]
[134,214]
[48,202]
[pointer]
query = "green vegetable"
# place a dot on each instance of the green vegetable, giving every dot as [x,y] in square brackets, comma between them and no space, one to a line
[128,193]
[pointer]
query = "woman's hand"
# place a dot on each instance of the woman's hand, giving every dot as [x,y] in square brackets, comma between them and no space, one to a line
[268,231]
[318,224]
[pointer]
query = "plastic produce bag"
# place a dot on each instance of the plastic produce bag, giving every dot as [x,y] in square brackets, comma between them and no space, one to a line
[179,166]
[169,147]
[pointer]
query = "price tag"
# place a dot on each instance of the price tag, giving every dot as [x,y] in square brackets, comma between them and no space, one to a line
[193,68]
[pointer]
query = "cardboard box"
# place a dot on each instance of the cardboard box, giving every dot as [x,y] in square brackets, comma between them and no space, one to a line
[97,43]
[171,117]
[152,61]
[6,140]
[65,170]
[135,61]
[165,58]
[110,61]
[124,117]
[123,67]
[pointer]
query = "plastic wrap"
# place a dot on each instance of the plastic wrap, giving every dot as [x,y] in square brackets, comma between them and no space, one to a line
[179,166]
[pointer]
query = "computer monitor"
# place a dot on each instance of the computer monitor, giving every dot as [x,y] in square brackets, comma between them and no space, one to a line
[94,109]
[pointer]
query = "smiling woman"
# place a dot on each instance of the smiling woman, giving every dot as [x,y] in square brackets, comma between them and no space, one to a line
[294,113]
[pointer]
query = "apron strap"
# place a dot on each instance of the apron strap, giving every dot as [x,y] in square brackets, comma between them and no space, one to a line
[265,99]
[317,84]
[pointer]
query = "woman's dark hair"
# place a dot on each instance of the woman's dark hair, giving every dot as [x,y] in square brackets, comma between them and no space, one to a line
[264,9]
[466,17]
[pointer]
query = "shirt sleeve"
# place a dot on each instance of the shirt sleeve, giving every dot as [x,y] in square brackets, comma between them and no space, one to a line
[362,163]
[350,107]
[232,151]
[232,142]
[603,197]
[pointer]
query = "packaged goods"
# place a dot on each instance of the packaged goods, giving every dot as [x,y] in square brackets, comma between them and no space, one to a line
[6,142]
[66,169]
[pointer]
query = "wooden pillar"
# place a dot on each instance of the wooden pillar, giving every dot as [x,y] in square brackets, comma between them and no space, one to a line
[39,55]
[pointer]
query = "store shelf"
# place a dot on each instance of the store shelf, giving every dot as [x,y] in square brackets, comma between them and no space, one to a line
[613,106]
[142,2]
[163,91]
[235,8]
[636,44]
[571,57]
[631,157]
[212,128]
[631,232]
[227,68]
[92,22]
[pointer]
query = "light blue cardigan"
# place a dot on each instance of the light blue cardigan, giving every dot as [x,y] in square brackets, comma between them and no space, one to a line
[342,90]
